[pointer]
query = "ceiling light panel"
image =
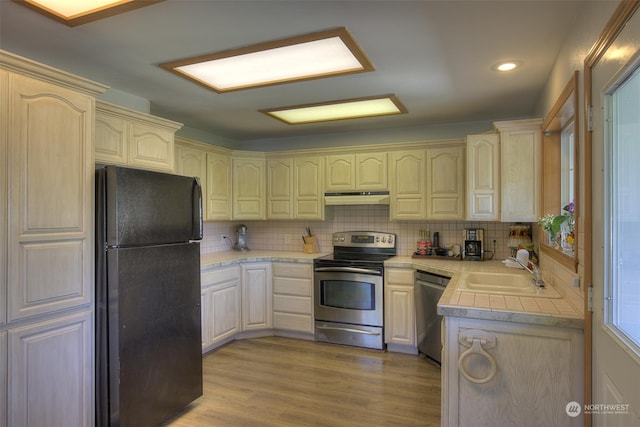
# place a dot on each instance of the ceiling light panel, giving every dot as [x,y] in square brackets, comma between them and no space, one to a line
[338,110]
[323,54]
[73,13]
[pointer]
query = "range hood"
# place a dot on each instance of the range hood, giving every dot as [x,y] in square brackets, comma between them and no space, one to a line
[356,198]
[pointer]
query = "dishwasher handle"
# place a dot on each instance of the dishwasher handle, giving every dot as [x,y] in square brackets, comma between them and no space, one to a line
[424,277]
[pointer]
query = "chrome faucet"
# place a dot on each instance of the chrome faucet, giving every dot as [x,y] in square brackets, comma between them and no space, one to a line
[535,272]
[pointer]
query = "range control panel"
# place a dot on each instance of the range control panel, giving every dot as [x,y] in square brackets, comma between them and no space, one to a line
[364,239]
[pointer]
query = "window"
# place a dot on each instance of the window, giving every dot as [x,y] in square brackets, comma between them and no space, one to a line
[622,215]
[567,164]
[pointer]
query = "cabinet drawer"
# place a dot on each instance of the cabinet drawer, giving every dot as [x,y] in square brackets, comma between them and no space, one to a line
[218,275]
[293,322]
[291,304]
[301,271]
[284,285]
[400,276]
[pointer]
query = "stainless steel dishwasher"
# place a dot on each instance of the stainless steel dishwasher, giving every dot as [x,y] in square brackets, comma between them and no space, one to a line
[428,290]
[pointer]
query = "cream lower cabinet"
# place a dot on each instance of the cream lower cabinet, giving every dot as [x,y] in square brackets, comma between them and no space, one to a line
[220,305]
[47,245]
[502,373]
[520,169]
[399,310]
[407,179]
[126,137]
[445,182]
[51,378]
[257,300]
[293,297]
[483,177]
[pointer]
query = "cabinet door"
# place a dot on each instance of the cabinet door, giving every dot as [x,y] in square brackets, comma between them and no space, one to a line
[249,190]
[151,147]
[341,172]
[408,184]
[400,316]
[256,296]
[3,379]
[111,139]
[307,188]
[51,373]
[483,177]
[193,162]
[50,239]
[371,171]
[280,189]
[445,183]
[520,182]
[218,195]
[225,311]
[205,316]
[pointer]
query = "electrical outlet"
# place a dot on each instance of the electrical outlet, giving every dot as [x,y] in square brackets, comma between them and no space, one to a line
[222,237]
[576,282]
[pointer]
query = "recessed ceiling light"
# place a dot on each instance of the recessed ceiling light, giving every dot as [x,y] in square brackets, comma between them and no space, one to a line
[310,56]
[506,65]
[73,13]
[338,110]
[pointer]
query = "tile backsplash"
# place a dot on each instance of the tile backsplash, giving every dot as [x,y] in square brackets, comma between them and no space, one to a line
[286,235]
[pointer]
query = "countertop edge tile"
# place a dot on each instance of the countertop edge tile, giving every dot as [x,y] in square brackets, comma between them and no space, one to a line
[456,303]
[223,259]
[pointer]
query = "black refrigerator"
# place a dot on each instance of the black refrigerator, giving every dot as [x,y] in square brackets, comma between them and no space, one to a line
[148,340]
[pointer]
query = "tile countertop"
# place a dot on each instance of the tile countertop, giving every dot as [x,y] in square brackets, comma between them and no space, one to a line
[221,259]
[479,305]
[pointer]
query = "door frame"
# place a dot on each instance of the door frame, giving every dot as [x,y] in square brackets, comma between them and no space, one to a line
[614,26]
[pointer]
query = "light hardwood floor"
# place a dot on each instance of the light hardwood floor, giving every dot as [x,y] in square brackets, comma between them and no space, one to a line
[280,382]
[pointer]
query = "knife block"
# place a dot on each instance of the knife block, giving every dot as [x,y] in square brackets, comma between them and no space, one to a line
[310,245]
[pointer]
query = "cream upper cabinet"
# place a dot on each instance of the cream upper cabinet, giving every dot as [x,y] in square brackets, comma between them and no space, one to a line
[249,189]
[294,188]
[407,184]
[483,177]
[280,188]
[308,202]
[192,161]
[218,195]
[521,166]
[445,182]
[50,239]
[371,171]
[129,138]
[359,171]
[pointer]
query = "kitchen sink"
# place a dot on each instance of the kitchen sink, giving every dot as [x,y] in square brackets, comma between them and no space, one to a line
[504,284]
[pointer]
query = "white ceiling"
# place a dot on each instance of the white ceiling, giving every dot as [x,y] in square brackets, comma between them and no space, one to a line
[434,55]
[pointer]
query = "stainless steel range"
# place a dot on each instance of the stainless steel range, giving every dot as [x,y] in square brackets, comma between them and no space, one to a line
[349,289]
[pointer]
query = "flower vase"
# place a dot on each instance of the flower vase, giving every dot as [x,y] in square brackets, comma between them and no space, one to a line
[566,240]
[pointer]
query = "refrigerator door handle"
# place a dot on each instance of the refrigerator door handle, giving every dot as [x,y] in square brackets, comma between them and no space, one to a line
[197,210]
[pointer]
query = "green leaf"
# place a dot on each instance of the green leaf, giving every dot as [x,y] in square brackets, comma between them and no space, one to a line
[557,223]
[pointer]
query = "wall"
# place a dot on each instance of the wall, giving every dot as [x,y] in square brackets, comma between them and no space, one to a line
[571,57]
[286,235]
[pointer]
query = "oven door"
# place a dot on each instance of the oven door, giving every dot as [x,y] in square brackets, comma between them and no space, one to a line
[348,295]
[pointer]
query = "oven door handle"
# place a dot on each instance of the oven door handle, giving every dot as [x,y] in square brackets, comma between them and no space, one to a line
[358,331]
[347,270]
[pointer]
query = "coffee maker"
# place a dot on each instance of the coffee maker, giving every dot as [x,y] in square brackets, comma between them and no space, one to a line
[473,244]
[241,244]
